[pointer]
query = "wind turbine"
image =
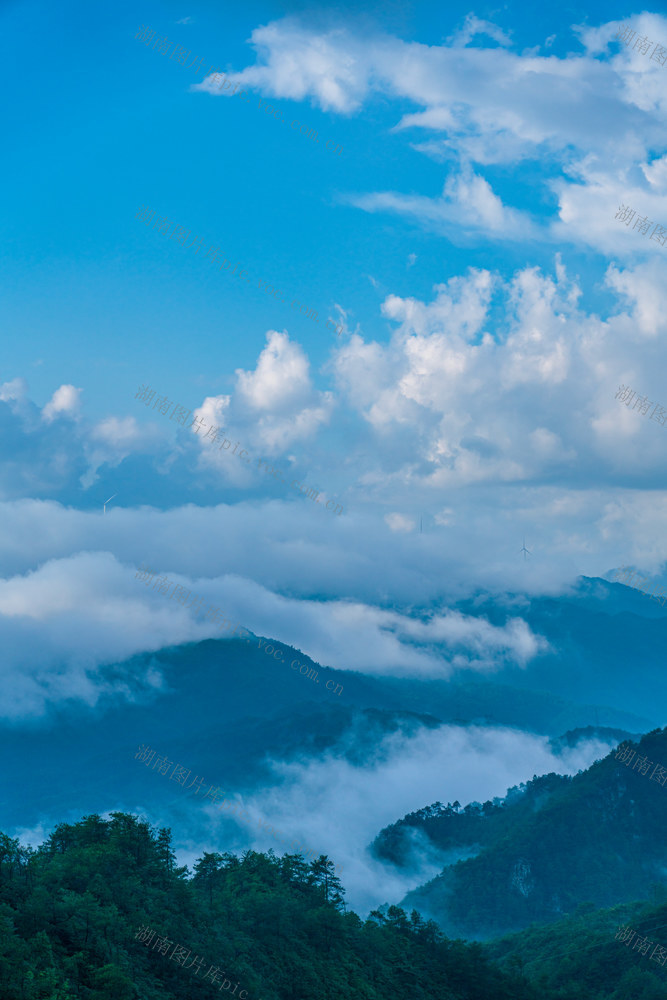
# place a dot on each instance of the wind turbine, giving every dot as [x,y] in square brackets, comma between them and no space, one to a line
[107,501]
[525,550]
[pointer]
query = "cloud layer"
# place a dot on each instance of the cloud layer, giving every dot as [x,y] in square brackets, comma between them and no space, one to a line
[62,623]
[491,381]
[483,412]
[337,808]
[480,105]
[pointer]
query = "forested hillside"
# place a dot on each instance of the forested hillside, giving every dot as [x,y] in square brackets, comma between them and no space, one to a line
[614,954]
[597,837]
[102,912]
[465,827]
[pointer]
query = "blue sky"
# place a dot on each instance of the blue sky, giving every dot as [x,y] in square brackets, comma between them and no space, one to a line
[491,305]
[103,124]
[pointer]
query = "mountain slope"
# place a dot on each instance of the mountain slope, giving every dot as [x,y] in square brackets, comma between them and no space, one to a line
[224,708]
[100,911]
[595,630]
[597,837]
[583,951]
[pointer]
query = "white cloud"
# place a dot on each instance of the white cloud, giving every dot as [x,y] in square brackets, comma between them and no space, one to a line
[280,378]
[119,434]
[643,287]
[656,174]
[14,390]
[467,201]
[440,359]
[215,453]
[485,383]
[399,522]
[69,603]
[475,26]
[114,439]
[415,423]
[277,400]
[15,394]
[299,63]
[66,401]
[61,622]
[338,808]
[490,105]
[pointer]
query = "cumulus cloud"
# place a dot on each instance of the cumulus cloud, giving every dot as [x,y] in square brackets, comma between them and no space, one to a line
[66,401]
[442,357]
[12,391]
[280,378]
[279,395]
[642,289]
[274,406]
[18,409]
[114,439]
[485,383]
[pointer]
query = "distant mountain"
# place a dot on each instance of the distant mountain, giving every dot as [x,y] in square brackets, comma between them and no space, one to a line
[597,837]
[574,736]
[225,708]
[597,633]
